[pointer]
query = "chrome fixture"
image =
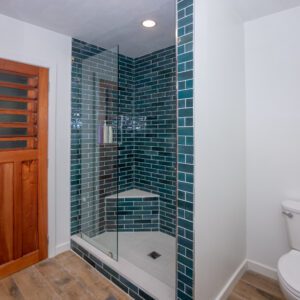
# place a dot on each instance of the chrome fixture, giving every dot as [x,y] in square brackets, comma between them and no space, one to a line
[76,121]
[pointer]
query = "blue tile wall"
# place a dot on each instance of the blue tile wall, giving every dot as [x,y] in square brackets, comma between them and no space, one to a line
[126,108]
[128,287]
[132,214]
[185,173]
[142,94]
[95,168]
[155,145]
[146,158]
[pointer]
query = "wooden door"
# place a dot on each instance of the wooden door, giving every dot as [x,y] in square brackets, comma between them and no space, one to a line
[23,165]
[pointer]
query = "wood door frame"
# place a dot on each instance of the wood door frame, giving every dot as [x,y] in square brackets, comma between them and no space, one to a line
[43,162]
[42,156]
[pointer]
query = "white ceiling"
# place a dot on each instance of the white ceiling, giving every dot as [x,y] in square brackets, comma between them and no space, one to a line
[253,9]
[108,23]
[105,23]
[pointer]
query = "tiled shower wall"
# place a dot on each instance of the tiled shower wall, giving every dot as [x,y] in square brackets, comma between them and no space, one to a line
[134,214]
[147,155]
[126,108]
[185,225]
[155,145]
[94,168]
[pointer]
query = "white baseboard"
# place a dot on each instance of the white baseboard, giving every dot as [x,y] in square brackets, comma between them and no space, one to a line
[246,265]
[236,276]
[262,269]
[62,248]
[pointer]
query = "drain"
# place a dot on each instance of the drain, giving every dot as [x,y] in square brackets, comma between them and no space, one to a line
[154,255]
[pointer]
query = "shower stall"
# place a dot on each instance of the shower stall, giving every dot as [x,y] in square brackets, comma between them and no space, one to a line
[123,170]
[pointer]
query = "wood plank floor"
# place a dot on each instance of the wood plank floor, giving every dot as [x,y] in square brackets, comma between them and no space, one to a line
[65,276]
[253,286]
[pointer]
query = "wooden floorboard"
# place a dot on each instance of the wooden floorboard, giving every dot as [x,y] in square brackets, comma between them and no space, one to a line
[67,276]
[253,286]
[64,277]
[9,290]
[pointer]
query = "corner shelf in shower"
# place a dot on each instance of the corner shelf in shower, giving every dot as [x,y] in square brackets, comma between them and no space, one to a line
[132,193]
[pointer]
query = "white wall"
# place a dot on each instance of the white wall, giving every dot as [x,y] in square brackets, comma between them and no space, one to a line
[273,130]
[26,43]
[220,192]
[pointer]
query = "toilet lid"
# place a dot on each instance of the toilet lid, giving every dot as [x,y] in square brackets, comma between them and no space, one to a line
[289,270]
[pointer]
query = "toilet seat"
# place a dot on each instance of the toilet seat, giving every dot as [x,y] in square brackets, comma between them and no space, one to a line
[289,271]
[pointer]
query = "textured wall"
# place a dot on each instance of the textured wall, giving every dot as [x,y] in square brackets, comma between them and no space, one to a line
[185,244]
[185,145]
[155,145]
[126,135]
[95,168]
[134,214]
[146,157]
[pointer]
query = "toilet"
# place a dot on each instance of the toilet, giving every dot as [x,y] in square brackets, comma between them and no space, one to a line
[289,264]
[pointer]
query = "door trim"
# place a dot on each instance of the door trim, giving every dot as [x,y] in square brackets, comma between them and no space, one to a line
[56,192]
[43,162]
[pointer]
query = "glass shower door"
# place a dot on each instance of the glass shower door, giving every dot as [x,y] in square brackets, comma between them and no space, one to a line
[99,151]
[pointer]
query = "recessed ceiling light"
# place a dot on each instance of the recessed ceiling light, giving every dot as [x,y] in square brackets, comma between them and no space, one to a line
[149,23]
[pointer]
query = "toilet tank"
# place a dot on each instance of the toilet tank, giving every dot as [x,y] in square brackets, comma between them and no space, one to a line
[291,212]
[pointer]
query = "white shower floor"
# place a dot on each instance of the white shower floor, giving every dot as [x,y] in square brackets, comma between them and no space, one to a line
[135,247]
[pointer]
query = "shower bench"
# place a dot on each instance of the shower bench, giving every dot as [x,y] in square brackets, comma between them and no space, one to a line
[132,210]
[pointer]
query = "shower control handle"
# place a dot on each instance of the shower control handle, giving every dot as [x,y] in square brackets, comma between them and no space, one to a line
[288,214]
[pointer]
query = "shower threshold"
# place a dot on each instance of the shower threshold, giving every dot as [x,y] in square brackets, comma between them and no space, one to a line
[155,277]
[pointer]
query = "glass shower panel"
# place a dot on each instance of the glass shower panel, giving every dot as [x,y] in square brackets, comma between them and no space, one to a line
[98,119]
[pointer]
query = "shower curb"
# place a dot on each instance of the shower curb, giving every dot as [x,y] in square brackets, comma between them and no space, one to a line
[124,284]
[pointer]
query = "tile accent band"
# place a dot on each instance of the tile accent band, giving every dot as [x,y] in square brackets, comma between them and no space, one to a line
[185,146]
